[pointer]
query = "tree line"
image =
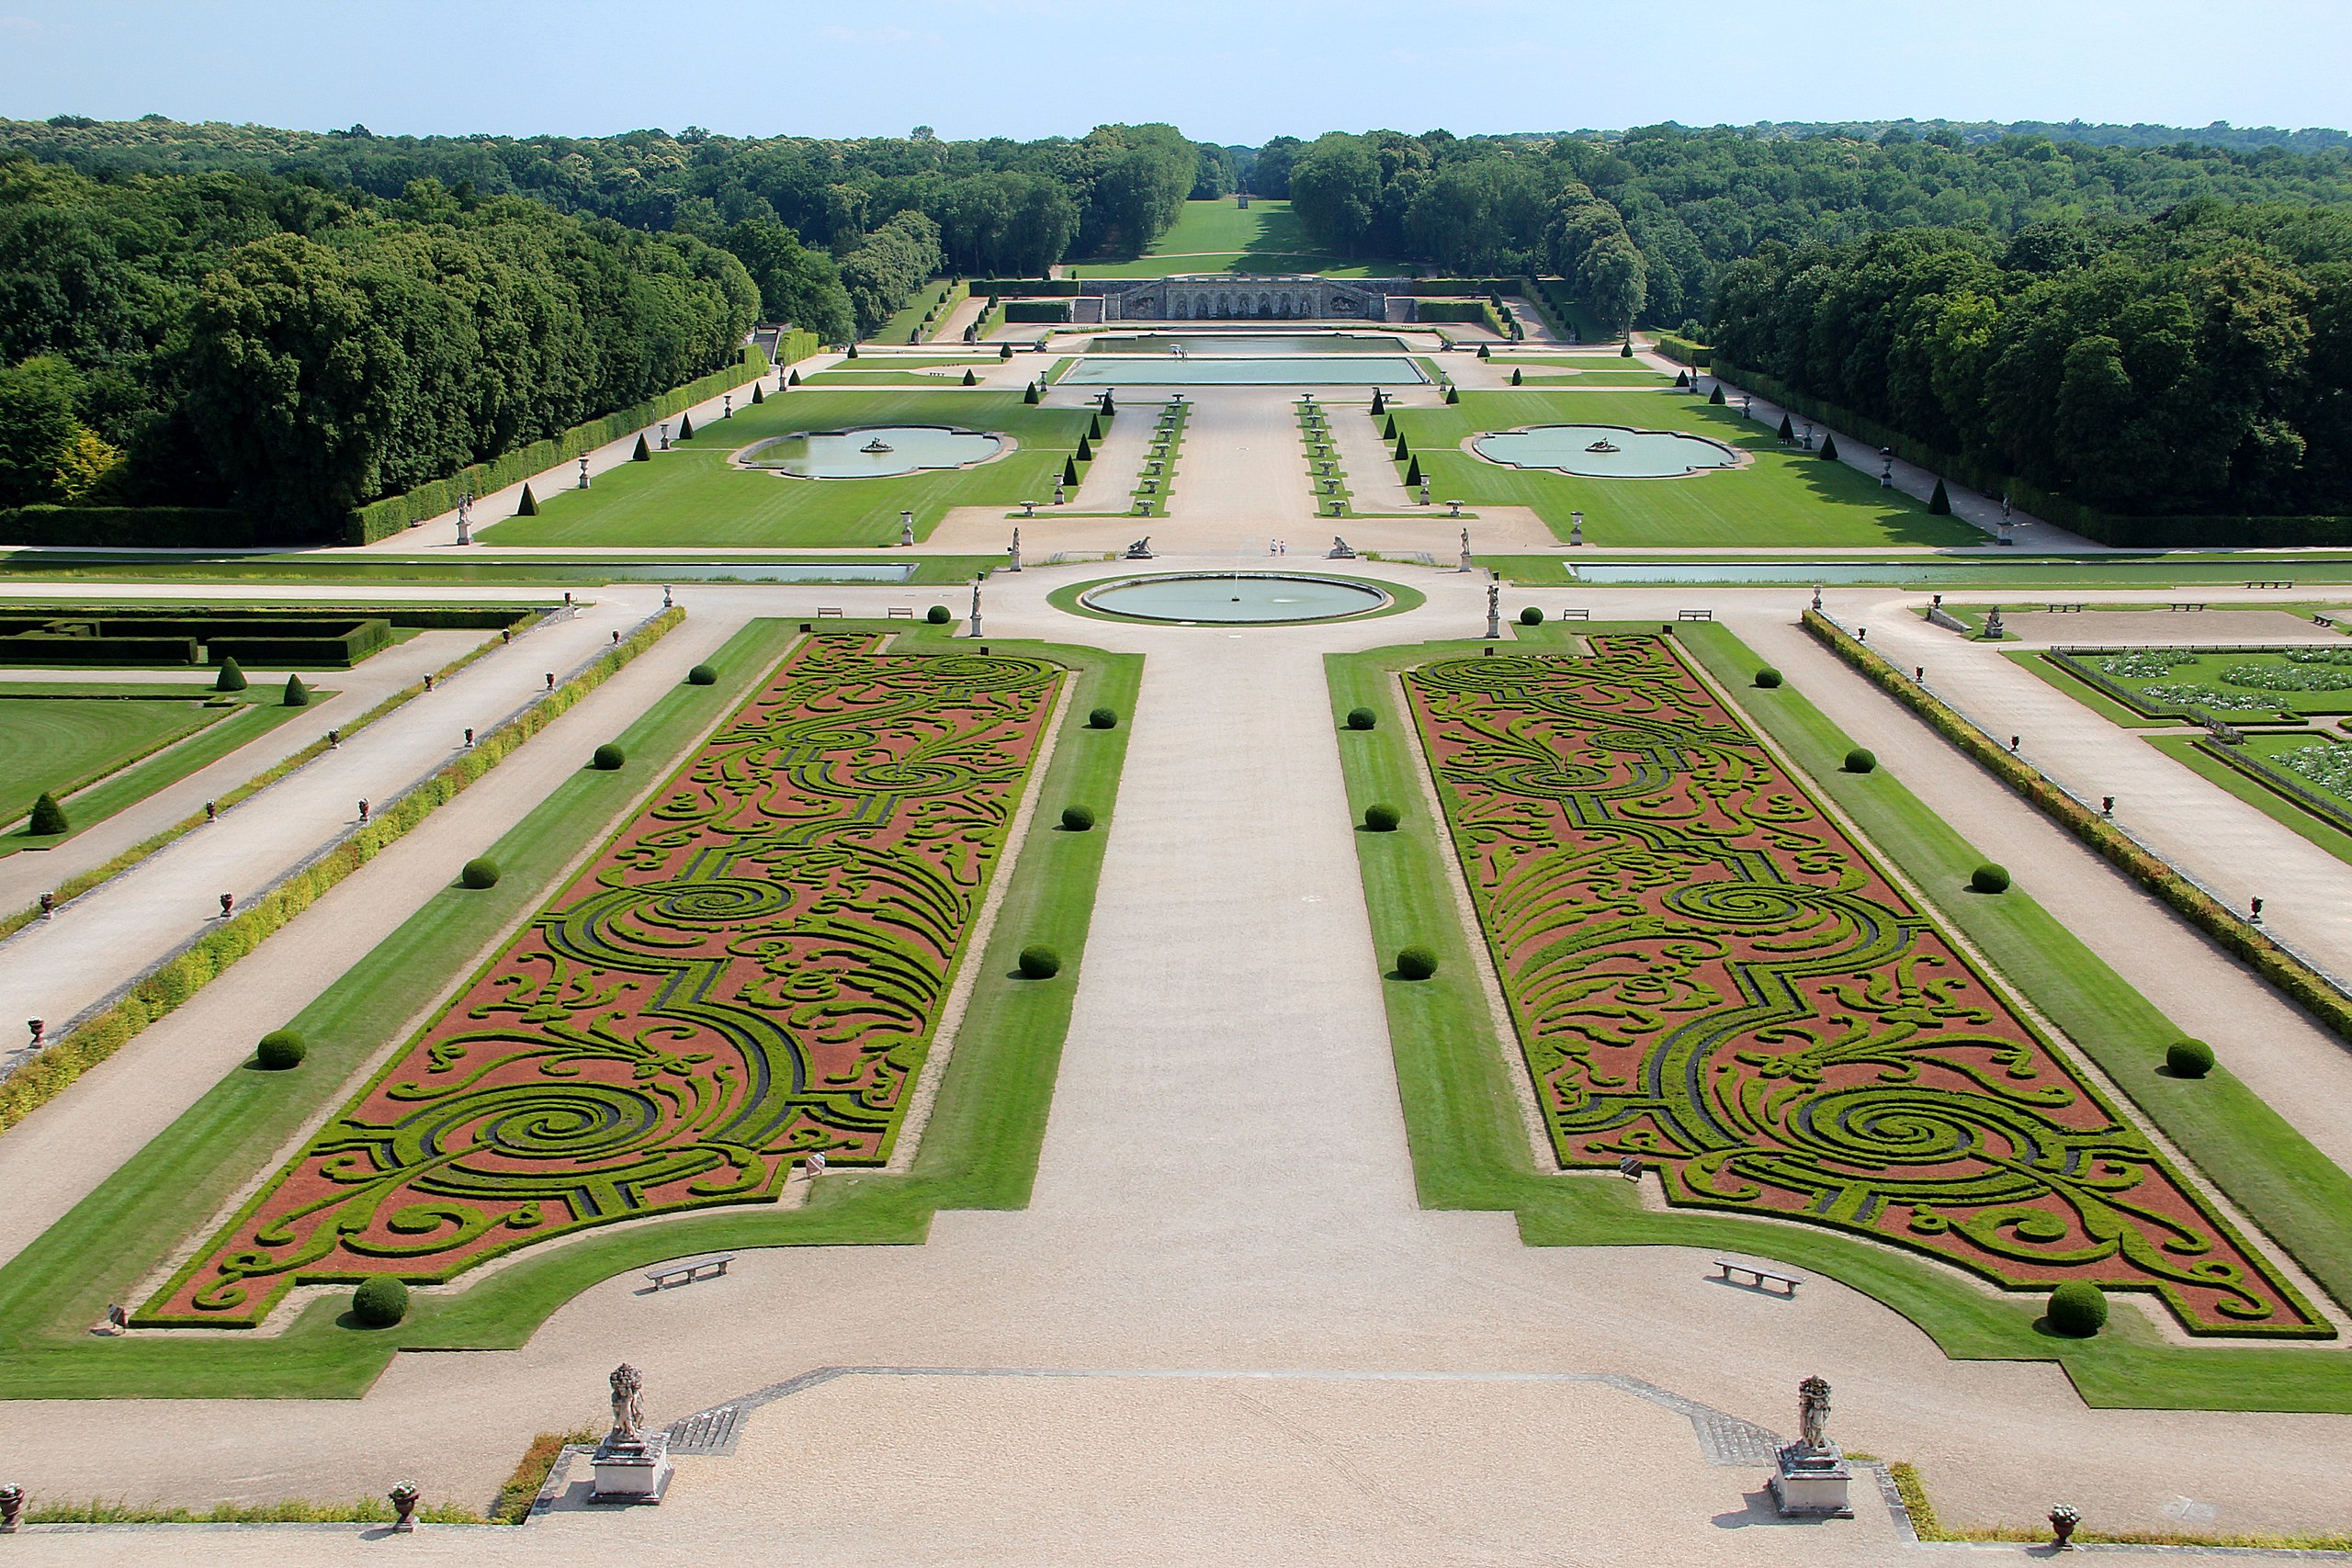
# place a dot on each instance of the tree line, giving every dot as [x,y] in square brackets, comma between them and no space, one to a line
[219,338]
[2199,362]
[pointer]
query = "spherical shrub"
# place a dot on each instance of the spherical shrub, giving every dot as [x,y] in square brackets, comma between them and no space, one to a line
[1362,718]
[1102,718]
[380,1302]
[1860,762]
[1768,677]
[1381,818]
[1078,818]
[1040,963]
[279,1050]
[2078,1309]
[1532,617]
[702,676]
[1989,878]
[1416,963]
[2188,1059]
[609,757]
[939,615]
[480,873]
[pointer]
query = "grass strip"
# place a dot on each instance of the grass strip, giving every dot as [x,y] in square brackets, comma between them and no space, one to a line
[1471,1149]
[522,1489]
[2280,808]
[1927,1526]
[979,1149]
[126,787]
[162,989]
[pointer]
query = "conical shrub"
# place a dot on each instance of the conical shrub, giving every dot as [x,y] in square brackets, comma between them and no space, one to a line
[685,427]
[1452,393]
[1030,394]
[1085,450]
[1094,426]
[1828,449]
[1413,472]
[852,352]
[1379,402]
[643,454]
[1483,353]
[231,677]
[1717,397]
[297,695]
[1403,451]
[1626,352]
[757,396]
[1388,431]
[1069,470]
[49,817]
[1787,430]
[971,379]
[1004,351]
[529,505]
[1518,377]
[1939,503]
[1682,378]
[792,379]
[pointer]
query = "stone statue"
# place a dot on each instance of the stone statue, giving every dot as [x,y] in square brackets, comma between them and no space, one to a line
[1339,551]
[1494,610]
[1813,1413]
[1140,549]
[628,1402]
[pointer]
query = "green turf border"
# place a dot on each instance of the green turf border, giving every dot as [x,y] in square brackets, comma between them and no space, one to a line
[1471,1149]
[126,786]
[979,1149]
[1401,598]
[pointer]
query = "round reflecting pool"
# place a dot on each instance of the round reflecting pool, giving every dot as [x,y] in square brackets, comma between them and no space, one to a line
[1254,598]
[1605,451]
[873,452]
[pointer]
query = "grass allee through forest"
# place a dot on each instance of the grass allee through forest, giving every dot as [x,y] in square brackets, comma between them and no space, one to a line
[750,974]
[1708,975]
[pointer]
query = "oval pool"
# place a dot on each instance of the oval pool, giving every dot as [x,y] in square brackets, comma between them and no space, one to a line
[1254,598]
[842,454]
[1636,455]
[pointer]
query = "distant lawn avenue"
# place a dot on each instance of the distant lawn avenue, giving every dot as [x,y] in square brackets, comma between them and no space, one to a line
[1708,977]
[748,976]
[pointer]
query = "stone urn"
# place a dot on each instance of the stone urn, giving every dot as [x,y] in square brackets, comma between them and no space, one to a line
[404,1498]
[2063,1519]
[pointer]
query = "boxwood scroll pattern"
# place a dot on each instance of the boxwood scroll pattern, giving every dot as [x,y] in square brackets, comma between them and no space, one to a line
[748,973]
[1708,974]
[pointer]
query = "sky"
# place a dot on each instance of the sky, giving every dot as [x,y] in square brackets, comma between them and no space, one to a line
[1230,71]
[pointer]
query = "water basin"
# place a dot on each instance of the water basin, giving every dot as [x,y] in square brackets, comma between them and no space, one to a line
[1228,345]
[1638,455]
[843,455]
[1236,598]
[1263,370]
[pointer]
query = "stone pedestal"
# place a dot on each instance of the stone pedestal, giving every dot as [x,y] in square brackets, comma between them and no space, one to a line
[1811,1483]
[631,1470]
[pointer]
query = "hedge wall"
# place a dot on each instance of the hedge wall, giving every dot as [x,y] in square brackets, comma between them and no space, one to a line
[2186,532]
[1016,287]
[135,528]
[1473,311]
[129,652]
[382,519]
[2301,983]
[366,637]
[1682,351]
[1036,310]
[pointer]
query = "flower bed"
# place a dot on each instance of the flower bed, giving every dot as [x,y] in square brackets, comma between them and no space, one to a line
[1708,975]
[748,973]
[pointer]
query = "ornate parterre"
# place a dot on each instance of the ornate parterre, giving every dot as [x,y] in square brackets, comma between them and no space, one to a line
[1707,974]
[748,973]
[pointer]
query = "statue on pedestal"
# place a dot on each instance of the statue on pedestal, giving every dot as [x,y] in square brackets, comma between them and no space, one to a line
[1810,1478]
[628,1402]
[632,1464]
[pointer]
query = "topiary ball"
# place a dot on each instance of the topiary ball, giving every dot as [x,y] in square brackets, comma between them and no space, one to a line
[1362,718]
[2188,1059]
[1768,677]
[2077,1309]
[380,1302]
[1989,878]
[480,873]
[1416,963]
[1102,718]
[702,676]
[1078,818]
[1040,963]
[609,757]
[1381,818]
[939,615]
[1532,617]
[1860,762]
[279,1050]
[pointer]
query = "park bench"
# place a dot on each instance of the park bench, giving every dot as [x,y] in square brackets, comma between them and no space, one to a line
[1758,1279]
[687,1272]
[1694,614]
[2188,606]
[2063,609]
[1576,614]
[834,611]
[900,613]
[2273,582]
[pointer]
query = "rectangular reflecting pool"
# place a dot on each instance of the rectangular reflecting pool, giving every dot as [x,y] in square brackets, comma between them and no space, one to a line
[1286,370]
[1227,345]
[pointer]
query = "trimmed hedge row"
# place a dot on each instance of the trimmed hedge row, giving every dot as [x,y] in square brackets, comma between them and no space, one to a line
[2297,980]
[137,527]
[210,956]
[2105,527]
[382,519]
[1476,311]
[1036,310]
[1014,288]
[1682,351]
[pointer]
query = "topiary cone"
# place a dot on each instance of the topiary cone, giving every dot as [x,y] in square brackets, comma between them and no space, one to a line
[643,454]
[1517,376]
[231,677]
[793,380]
[1828,449]
[757,396]
[1069,470]
[1717,397]
[297,695]
[49,817]
[1787,430]
[529,505]
[1939,503]
[1085,450]
[685,427]
[971,379]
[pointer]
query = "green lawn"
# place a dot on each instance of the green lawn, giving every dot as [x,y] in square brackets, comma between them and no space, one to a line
[1218,236]
[369,570]
[690,496]
[1782,498]
[1470,1150]
[2240,687]
[860,376]
[1603,379]
[61,744]
[979,1149]
[246,722]
[911,314]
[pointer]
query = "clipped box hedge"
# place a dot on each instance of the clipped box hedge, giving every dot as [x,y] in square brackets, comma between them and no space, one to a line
[1036,310]
[1682,351]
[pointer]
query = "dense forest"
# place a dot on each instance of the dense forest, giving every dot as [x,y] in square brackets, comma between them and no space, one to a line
[2195,362]
[209,338]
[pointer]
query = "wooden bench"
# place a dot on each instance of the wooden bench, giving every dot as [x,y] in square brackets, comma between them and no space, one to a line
[1575,614]
[823,611]
[688,1271]
[2189,606]
[2063,609]
[900,613]
[2273,582]
[1758,1279]
[1694,614]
